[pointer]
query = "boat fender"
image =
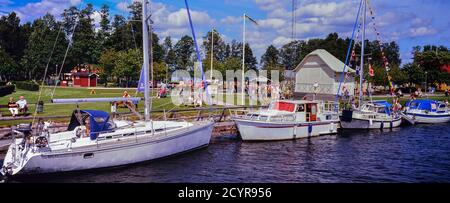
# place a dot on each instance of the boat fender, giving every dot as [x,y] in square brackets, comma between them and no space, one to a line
[390,124]
[310,127]
[370,122]
[382,125]
[332,127]
[295,131]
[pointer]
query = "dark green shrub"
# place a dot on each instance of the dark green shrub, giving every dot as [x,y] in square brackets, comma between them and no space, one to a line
[24,85]
[5,90]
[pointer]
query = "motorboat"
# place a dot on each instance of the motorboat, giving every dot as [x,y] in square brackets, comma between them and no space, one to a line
[289,119]
[371,115]
[427,111]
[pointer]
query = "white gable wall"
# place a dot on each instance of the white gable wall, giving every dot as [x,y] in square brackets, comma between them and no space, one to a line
[312,70]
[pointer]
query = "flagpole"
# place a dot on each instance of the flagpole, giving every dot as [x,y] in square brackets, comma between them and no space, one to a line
[243,65]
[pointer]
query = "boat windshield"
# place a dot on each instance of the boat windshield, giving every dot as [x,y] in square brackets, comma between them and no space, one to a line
[282,106]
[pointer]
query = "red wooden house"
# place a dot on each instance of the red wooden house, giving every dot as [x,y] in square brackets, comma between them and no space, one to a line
[84,75]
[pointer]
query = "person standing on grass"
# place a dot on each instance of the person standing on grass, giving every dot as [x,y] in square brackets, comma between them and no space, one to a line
[12,107]
[23,105]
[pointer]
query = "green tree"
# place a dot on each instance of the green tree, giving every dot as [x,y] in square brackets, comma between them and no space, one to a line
[13,36]
[107,62]
[431,59]
[127,65]
[85,47]
[219,45]
[270,60]
[7,66]
[290,54]
[170,56]
[184,50]
[41,42]
[105,28]
[121,38]
[250,60]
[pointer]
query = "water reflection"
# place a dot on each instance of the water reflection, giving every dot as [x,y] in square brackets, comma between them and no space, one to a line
[407,154]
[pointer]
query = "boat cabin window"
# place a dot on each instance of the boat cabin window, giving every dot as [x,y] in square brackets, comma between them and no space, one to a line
[283,106]
[301,108]
[413,104]
[433,106]
[369,108]
[381,110]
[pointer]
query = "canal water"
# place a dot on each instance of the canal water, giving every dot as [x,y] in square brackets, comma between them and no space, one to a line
[408,154]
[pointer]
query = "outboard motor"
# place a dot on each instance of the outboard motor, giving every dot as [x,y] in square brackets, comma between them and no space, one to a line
[24,129]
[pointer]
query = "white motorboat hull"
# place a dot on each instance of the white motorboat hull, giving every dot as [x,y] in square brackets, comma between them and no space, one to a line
[139,150]
[358,123]
[265,131]
[429,118]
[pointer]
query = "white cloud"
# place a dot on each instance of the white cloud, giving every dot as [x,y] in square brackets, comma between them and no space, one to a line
[122,6]
[34,10]
[231,20]
[280,41]
[96,17]
[179,18]
[422,31]
[274,23]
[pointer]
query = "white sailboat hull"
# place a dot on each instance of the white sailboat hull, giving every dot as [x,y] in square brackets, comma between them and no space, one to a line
[132,151]
[265,131]
[358,123]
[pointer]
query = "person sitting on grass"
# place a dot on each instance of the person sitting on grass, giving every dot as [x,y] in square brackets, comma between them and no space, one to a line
[23,106]
[12,107]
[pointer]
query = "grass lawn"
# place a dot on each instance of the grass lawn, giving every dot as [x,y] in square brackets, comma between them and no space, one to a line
[51,109]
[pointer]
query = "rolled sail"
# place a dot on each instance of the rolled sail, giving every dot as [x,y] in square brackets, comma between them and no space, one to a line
[81,100]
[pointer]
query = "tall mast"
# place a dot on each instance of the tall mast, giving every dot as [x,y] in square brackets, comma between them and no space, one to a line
[212,52]
[243,65]
[361,71]
[145,45]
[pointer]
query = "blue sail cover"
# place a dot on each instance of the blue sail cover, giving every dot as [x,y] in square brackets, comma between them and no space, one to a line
[98,121]
[423,104]
[387,106]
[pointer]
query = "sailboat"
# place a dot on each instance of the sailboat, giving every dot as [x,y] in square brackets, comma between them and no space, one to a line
[369,114]
[94,140]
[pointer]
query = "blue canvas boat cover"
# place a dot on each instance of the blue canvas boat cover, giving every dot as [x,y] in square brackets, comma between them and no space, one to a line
[387,106]
[424,104]
[98,121]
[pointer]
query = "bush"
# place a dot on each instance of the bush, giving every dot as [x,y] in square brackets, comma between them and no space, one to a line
[24,85]
[5,90]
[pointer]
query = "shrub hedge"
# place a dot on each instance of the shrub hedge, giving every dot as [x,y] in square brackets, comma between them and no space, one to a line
[24,85]
[5,90]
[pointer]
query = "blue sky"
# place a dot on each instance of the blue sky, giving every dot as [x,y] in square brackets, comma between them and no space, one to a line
[409,22]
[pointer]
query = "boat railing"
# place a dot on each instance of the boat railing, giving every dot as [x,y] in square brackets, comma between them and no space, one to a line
[331,106]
